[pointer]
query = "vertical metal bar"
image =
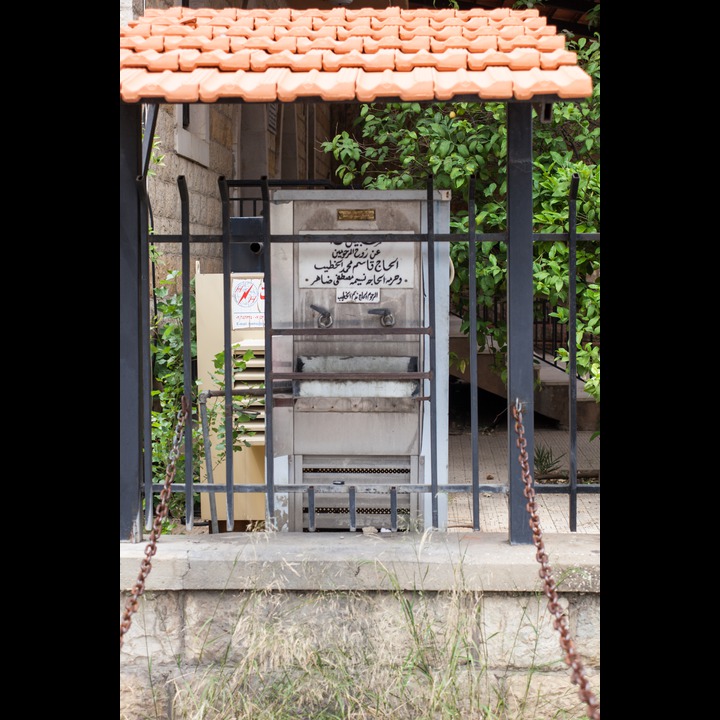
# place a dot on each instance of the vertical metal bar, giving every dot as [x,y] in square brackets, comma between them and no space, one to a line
[572,349]
[393,509]
[269,446]
[148,135]
[520,308]
[227,346]
[145,359]
[187,346]
[472,337]
[352,507]
[202,401]
[311,508]
[433,364]
[131,386]
[556,337]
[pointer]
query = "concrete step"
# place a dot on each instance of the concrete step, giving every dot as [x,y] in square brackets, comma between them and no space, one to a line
[551,396]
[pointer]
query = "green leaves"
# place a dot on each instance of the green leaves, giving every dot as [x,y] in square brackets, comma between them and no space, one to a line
[166,351]
[399,145]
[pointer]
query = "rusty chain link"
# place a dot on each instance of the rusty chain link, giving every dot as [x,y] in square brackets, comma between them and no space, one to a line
[162,509]
[560,620]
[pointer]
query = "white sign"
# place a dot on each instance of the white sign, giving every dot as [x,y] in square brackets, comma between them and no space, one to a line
[357,296]
[248,303]
[351,265]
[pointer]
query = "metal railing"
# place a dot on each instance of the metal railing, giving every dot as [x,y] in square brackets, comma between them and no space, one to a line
[349,490]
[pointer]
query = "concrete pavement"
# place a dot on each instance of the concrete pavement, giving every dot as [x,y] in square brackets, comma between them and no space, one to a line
[553,509]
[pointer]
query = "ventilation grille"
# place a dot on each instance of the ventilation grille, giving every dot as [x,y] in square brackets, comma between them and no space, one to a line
[362,510]
[251,380]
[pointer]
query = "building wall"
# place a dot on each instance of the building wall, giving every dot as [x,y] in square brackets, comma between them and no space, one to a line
[238,149]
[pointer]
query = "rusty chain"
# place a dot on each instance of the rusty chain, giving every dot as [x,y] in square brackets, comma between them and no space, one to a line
[162,510]
[560,620]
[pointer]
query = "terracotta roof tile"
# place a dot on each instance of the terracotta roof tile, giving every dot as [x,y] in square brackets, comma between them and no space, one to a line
[180,55]
[330,86]
[261,60]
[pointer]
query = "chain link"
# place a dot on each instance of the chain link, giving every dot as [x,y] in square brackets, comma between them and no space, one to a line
[162,509]
[560,620]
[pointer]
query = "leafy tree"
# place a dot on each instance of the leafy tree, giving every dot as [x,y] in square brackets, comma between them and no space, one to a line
[402,145]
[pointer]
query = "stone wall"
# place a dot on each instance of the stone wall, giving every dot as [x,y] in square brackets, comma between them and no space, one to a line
[407,625]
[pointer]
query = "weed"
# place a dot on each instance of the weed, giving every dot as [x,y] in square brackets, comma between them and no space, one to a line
[545,460]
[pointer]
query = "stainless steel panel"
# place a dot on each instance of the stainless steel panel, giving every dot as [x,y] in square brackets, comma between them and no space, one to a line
[357,433]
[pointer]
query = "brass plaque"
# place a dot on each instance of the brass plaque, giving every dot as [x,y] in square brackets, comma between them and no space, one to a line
[356,214]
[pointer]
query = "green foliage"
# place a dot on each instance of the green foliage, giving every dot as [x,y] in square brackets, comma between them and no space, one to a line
[156,159]
[241,411]
[403,145]
[166,348]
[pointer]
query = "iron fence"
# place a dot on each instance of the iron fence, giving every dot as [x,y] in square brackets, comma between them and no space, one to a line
[548,336]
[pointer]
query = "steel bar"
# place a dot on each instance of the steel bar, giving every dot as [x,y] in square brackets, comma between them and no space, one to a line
[572,351]
[311,508]
[393,509]
[352,507]
[520,308]
[269,378]
[202,402]
[433,353]
[132,383]
[405,237]
[187,344]
[472,338]
[146,359]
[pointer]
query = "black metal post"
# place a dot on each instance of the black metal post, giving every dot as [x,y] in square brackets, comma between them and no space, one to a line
[472,337]
[271,521]
[520,309]
[131,378]
[187,347]
[433,355]
[572,349]
[149,123]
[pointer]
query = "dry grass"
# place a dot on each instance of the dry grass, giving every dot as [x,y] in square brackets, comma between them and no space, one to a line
[335,657]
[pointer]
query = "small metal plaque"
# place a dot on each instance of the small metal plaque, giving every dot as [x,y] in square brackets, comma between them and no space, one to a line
[356,214]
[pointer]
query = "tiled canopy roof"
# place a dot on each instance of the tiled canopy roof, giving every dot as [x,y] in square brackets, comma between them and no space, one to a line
[183,55]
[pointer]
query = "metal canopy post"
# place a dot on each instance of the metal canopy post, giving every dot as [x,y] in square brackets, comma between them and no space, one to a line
[520,308]
[131,323]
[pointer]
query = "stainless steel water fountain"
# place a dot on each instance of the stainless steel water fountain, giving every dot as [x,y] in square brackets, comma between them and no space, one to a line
[349,319]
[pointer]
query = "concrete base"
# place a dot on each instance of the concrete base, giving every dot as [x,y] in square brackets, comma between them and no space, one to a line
[393,618]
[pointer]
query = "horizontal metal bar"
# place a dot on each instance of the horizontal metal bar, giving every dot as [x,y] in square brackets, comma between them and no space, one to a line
[329,488]
[284,183]
[351,376]
[359,237]
[354,331]
[344,238]
[589,488]
[565,488]
[565,237]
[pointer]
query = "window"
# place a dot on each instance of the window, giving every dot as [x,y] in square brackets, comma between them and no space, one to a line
[192,132]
